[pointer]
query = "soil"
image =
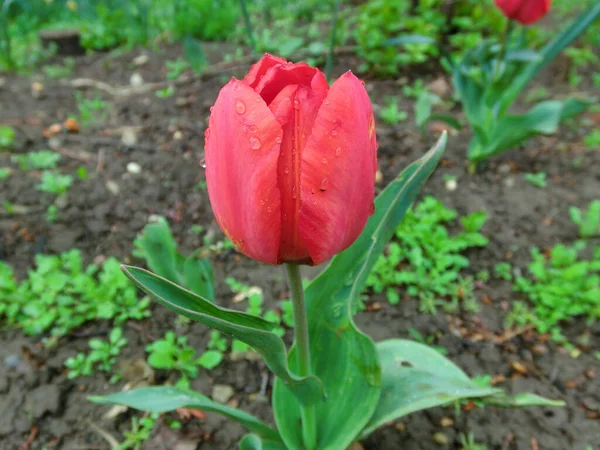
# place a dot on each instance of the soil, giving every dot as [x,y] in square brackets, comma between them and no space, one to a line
[42,408]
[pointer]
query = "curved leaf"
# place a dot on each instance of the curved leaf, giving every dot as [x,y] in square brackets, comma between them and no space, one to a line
[339,350]
[252,330]
[253,442]
[415,377]
[163,398]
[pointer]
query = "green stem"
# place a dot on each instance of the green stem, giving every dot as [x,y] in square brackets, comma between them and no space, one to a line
[329,62]
[504,45]
[309,422]
[248,24]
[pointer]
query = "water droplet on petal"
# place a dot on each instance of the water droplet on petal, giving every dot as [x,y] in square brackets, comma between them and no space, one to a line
[252,128]
[296,104]
[278,140]
[333,132]
[324,160]
[212,108]
[372,209]
[326,102]
[203,163]
[255,143]
[303,135]
[312,191]
[262,202]
[269,209]
[324,184]
[257,100]
[286,170]
[294,193]
[244,128]
[240,107]
[207,133]
[338,151]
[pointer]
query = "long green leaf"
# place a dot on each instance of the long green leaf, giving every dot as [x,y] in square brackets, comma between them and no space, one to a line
[415,377]
[163,398]
[339,350]
[252,330]
[254,442]
[547,55]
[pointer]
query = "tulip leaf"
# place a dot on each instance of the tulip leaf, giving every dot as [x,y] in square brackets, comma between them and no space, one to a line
[416,377]
[250,329]
[165,398]
[254,442]
[339,350]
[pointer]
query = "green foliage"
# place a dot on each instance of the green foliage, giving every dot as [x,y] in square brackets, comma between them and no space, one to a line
[54,183]
[467,442]
[157,246]
[63,70]
[592,140]
[426,260]
[391,114]
[537,179]
[52,214]
[60,294]
[167,92]
[174,353]
[43,159]
[5,173]
[503,270]
[141,431]
[92,111]
[7,137]
[175,68]
[429,340]
[207,20]
[560,287]
[103,356]
[587,220]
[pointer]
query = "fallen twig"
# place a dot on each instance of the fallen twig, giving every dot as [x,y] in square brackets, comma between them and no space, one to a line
[105,434]
[32,435]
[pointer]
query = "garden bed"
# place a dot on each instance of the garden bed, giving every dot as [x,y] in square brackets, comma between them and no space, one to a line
[104,212]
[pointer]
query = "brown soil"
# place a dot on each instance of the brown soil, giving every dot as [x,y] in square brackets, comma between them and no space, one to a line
[36,395]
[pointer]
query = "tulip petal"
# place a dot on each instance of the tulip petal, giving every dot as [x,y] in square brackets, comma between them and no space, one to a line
[338,170]
[281,75]
[258,70]
[241,153]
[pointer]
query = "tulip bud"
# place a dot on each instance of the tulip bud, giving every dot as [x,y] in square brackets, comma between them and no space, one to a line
[291,162]
[524,11]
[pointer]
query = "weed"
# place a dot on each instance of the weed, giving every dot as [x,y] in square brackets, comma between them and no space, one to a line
[587,220]
[43,159]
[60,294]
[560,286]
[52,214]
[167,92]
[54,183]
[82,173]
[467,442]
[175,68]
[503,270]
[429,340]
[5,173]
[103,356]
[92,111]
[592,140]
[141,430]
[64,70]
[425,259]
[7,137]
[537,179]
[391,114]
[174,353]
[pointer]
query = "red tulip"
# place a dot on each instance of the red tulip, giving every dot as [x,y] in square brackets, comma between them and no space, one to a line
[291,162]
[524,11]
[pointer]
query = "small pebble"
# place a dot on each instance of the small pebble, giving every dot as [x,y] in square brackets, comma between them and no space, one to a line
[12,361]
[134,168]
[136,79]
[441,438]
[113,187]
[222,393]
[129,137]
[178,135]
[451,185]
[141,60]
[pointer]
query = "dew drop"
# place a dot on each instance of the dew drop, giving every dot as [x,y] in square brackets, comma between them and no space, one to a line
[286,170]
[257,100]
[269,209]
[255,143]
[372,209]
[212,108]
[338,151]
[244,128]
[324,160]
[324,184]
[303,136]
[312,191]
[326,102]
[262,202]
[203,163]
[240,107]
[252,128]
[207,133]
[296,104]
[294,193]
[278,140]
[333,132]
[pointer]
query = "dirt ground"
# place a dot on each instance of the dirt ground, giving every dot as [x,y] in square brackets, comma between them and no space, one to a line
[105,212]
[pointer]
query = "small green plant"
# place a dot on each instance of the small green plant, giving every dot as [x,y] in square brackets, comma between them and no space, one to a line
[41,160]
[175,68]
[61,294]
[5,173]
[503,270]
[467,442]
[592,140]
[82,173]
[92,111]
[52,214]
[141,430]
[7,137]
[167,92]
[391,114]
[426,260]
[537,179]
[587,220]
[63,70]
[54,183]
[174,353]
[559,287]
[103,356]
